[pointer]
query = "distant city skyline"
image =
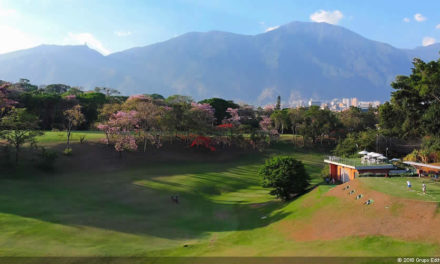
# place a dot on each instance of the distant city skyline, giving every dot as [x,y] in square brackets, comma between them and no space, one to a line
[335,104]
[114,25]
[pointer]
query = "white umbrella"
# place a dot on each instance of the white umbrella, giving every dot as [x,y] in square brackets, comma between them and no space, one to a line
[382,158]
[363,152]
[376,155]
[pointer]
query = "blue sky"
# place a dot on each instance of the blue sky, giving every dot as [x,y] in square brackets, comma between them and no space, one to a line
[113,25]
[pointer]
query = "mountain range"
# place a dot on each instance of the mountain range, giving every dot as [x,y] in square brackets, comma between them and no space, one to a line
[299,60]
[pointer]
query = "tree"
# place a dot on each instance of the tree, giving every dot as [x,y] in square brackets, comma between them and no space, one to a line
[355,120]
[280,119]
[319,123]
[107,110]
[390,120]
[414,103]
[48,107]
[5,102]
[278,105]
[179,99]
[107,91]
[201,117]
[285,175]
[90,103]
[297,117]
[220,106]
[120,130]
[20,127]
[74,118]
[149,116]
[355,142]
[156,96]
[25,86]
[74,91]
[56,88]
[267,127]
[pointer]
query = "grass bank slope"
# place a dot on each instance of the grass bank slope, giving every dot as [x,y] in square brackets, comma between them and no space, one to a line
[96,204]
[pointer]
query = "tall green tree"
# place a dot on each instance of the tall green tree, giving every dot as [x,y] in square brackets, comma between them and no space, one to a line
[355,120]
[281,119]
[319,123]
[413,109]
[220,106]
[278,105]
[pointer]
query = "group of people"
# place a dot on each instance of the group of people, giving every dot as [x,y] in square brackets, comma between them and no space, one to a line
[408,183]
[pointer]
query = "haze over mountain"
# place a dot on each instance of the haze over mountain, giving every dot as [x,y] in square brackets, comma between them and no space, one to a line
[297,60]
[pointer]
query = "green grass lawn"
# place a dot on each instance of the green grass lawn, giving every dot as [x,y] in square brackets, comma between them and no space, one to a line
[61,136]
[396,186]
[127,211]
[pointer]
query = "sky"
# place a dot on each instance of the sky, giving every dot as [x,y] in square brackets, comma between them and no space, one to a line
[113,25]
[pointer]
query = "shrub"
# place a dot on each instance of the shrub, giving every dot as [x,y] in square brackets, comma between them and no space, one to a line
[67,151]
[285,175]
[325,172]
[354,142]
[47,159]
[82,139]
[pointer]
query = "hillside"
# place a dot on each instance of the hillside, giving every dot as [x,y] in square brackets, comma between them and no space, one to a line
[297,60]
[98,204]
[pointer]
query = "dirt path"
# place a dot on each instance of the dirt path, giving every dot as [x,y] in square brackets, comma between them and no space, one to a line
[387,215]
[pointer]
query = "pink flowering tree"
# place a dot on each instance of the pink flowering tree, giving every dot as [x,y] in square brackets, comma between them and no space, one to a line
[230,124]
[201,117]
[267,127]
[5,102]
[266,123]
[235,117]
[74,117]
[149,116]
[120,130]
[268,109]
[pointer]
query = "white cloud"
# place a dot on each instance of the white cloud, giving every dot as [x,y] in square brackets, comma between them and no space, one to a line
[438,26]
[419,17]
[428,41]
[14,39]
[7,12]
[331,17]
[86,38]
[271,28]
[121,33]
[267,94]
[406,20]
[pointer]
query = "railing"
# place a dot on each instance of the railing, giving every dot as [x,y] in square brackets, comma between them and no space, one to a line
[357,162]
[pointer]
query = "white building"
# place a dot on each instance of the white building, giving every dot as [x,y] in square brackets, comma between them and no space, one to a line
[312,102]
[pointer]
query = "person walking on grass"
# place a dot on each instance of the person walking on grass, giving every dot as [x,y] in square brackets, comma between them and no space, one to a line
[408,183]
[424,188]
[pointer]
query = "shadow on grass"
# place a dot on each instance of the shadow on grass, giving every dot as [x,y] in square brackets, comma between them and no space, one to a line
[111,201]
[135,197]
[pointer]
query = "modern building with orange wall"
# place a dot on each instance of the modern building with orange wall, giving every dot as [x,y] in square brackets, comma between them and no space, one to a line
[345,169]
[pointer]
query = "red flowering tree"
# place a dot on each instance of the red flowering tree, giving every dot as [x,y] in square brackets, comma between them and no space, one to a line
[202,141]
